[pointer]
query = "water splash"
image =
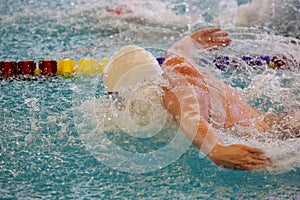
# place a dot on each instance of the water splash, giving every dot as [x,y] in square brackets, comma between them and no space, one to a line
[280,16]
[269,90]
[41,150]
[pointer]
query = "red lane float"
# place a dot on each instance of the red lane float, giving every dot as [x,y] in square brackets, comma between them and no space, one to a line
[27,67]
[9,68]
[48,67]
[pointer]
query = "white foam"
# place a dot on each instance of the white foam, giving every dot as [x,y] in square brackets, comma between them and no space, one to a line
[266,89]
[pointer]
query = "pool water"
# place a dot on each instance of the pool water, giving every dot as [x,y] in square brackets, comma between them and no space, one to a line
[48,126]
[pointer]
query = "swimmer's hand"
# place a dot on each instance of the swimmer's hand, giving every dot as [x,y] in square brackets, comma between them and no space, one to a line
[211,38]
[239,157]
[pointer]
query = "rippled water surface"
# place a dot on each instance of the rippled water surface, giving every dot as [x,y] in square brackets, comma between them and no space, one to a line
[50,128]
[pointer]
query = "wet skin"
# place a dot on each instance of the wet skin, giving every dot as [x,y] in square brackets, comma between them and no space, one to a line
[185,78]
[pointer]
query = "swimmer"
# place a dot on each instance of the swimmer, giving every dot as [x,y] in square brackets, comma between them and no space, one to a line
[220,106]
[200,104]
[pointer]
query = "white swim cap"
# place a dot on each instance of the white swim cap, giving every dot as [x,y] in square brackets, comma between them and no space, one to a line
[129,66]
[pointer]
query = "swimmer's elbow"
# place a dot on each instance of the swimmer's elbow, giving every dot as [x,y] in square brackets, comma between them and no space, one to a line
[183,48]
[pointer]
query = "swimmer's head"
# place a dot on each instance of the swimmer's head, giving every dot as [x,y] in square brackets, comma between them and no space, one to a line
[128,67]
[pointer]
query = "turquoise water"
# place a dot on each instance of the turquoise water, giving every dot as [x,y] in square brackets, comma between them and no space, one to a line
[42,156]
[43,152]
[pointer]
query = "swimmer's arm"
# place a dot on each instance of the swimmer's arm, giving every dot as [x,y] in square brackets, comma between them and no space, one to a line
[205,137]
[205,38]
[183,104]
[193,124]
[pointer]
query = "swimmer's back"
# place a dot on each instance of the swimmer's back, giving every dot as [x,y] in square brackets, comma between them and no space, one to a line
[225,108]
